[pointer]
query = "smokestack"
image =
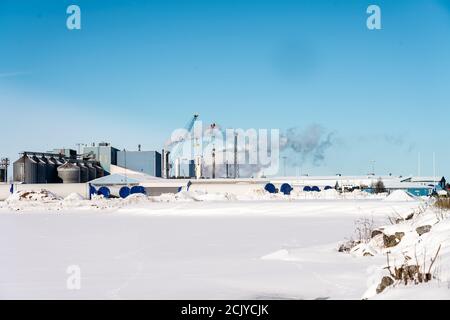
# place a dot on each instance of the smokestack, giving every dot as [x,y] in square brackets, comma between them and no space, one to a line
[165,164]
[226,169]
[177,167]
[198,167]
[214,163]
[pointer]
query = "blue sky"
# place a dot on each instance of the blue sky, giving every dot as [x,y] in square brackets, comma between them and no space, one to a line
[139,69]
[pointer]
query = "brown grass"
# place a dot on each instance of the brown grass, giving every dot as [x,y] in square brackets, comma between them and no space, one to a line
[443,203]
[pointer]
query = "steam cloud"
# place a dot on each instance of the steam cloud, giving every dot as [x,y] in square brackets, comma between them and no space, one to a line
[310,143]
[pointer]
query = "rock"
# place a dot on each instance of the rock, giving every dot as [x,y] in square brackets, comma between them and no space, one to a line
[392,240]
[347,246]
[423,229]
[409,217]
[385,282]
[367,254]
[399,235]
[375,233]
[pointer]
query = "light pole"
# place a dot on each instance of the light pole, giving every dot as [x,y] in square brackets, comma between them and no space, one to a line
[373,166]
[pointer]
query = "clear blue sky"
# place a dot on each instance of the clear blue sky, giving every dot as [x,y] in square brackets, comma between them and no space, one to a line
[139,69]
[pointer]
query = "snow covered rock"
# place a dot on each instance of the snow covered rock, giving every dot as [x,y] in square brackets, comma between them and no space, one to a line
[386,281]
[423,229]
[27,195]
[392,240]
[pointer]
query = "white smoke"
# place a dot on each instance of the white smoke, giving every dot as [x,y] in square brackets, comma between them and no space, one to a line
[308,144]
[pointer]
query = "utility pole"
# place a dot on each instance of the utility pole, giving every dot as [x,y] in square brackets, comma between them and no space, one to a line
[434,167]
[373,167]
[418,165]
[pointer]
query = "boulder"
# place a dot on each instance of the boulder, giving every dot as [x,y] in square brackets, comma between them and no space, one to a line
[375,233]
[423,229]
[392,240]
[385,282]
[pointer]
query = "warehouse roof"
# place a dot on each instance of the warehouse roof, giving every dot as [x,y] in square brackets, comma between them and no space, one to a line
[114,179]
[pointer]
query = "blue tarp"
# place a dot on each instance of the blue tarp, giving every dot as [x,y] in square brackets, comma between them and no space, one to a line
[124,192]
[286,188]
[270,188]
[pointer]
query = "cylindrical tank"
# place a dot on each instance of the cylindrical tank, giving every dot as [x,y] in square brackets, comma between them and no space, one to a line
[69,173]
[2,175]
[84,172]
[59,162]
[48,169]
[25,170]
[41,170]
[52,173]
[92,172]
[100,171]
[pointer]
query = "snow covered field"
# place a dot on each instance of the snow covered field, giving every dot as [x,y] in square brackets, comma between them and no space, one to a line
[202,246]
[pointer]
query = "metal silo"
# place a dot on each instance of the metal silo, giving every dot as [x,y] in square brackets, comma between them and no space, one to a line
[41,170]
[59,162]
[69,173]
[100,171]
[25,170]
[48,168]
[2,175]
[91,171]
[52,173]
[84,172]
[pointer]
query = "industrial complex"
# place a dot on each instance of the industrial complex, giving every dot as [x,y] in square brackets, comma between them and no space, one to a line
[104,169]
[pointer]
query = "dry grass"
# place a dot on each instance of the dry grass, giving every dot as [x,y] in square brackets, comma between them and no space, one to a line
[443,203]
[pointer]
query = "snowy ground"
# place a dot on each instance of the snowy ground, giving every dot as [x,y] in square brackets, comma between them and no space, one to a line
[219,248]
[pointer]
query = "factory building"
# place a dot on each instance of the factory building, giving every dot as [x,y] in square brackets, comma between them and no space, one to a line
[184,168]
[42,167]
[103,153]
[148,162]
[66,153]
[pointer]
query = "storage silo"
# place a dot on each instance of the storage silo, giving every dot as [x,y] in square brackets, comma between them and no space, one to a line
[52,173]
[59,162]
[100,171]
[41,170]
[48,168]
[69,173]
[92,172]
[25,170]
[84,172]
[2,175]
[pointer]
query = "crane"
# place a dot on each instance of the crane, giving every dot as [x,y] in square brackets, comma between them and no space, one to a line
[175,147]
